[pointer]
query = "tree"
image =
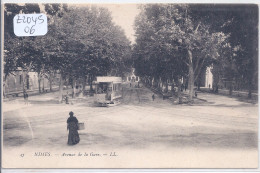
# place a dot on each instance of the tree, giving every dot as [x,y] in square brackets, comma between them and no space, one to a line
[29,53]
[240,22]
[18,51]
[81,43]
[89,44]
[169,33]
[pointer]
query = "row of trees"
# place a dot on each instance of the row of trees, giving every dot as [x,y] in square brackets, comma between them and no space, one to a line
[175,41]
[81,43]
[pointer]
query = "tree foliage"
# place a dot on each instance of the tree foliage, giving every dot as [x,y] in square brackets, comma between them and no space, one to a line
[81,42]
[168,36]
[239,60]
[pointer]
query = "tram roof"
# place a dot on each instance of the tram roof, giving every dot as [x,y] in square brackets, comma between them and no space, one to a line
[109,79]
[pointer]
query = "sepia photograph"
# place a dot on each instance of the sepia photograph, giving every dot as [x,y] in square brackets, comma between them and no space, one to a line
[148,85]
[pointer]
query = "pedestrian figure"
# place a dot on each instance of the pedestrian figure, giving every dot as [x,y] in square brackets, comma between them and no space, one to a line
[209,85]
[25,96]
[153,97]
[67,98]
[130,84]
[72,126]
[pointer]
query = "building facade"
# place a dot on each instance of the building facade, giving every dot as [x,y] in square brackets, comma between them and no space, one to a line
[18,81]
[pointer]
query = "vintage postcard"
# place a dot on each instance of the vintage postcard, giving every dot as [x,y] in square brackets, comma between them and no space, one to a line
[151,85]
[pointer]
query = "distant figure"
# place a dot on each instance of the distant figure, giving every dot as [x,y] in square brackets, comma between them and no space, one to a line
[67,98]
[73,94]
[209,85]
[72,126]
[153,97]
[182,86]
[130,84]
[185,87]
[196,94]
[25,96]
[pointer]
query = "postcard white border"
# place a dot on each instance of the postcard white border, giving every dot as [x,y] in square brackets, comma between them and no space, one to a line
[138,2]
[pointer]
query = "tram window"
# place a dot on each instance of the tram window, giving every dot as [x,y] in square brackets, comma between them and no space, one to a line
[105,87]
[99,90]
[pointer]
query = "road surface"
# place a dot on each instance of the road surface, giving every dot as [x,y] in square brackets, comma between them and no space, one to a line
[194,136]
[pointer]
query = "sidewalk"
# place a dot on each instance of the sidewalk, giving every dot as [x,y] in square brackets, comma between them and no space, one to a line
[225,92]
[240,95]
[30,93]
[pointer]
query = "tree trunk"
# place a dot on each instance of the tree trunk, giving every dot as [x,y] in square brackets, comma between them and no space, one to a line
[230,89]
[4,86]
[24,80]
[91,80]
[157,84]
[191,77]
[250,89]
[50,80]
[74,88]
[43,85]
[191,83]
[250,93]
[39,82]
[50,85]
[84,84]
[67,84]
[179,91]
[4,83]
[61,88]
[172,89]
[166,86]
[160,84]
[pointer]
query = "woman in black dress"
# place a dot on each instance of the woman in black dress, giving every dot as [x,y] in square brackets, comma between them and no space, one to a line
[72,126]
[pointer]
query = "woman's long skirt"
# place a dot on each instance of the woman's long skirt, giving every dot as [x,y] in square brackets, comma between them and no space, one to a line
[73,137]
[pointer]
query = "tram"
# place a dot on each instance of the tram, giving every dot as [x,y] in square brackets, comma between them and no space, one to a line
[108,91]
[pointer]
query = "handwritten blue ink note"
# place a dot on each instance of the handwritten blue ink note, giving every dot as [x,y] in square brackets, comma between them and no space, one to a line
[30,24]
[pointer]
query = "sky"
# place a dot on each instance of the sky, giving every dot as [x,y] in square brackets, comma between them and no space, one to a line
[124,16]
